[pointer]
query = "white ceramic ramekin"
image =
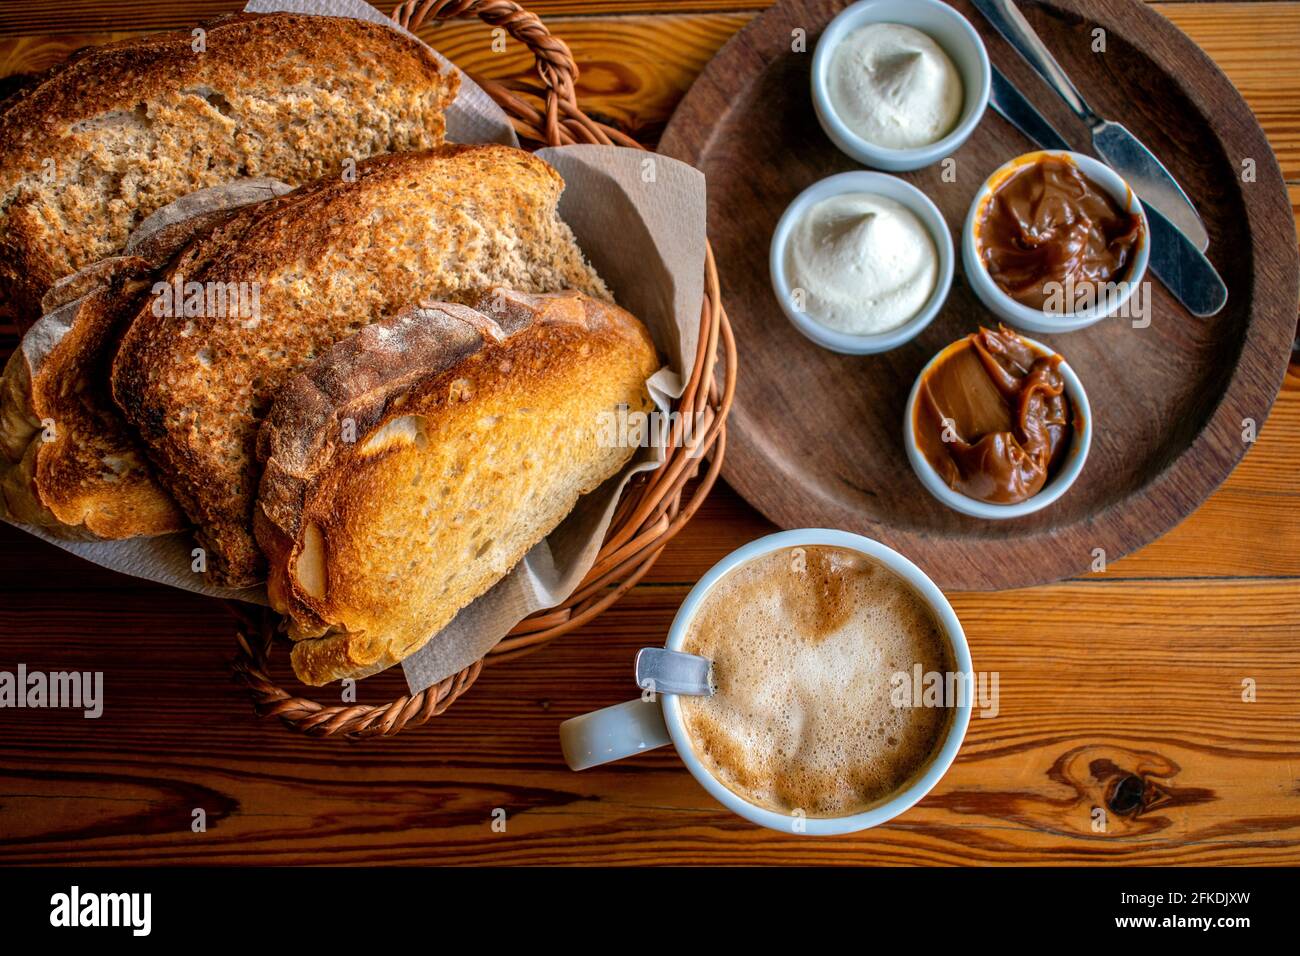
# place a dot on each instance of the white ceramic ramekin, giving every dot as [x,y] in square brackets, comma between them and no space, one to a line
[638,725]
[1070,470]
[946,27]
[878,184]
[1036,320]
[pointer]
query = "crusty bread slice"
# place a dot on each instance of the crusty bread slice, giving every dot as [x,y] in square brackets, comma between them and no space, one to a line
[117,131]
[473,433]
[328,258]
[68,462]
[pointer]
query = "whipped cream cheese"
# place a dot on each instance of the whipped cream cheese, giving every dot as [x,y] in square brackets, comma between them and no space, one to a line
[860,263]
[894,86]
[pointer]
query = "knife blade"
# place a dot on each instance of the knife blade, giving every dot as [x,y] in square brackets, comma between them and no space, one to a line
[1121,150]
[1182,267]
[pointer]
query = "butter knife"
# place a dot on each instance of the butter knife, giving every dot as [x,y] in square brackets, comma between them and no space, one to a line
[1121,150]
[1176,262]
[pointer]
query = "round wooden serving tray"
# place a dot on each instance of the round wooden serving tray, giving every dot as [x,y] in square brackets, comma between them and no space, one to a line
[816,437]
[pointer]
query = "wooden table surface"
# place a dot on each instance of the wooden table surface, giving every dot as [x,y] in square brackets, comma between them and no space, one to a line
[1122,689]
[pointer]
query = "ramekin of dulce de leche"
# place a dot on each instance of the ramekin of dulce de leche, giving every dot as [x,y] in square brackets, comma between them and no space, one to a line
[997,425]
[1055,241]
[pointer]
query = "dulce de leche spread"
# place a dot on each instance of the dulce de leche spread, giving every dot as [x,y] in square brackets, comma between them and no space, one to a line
[993,418]
[1048,225]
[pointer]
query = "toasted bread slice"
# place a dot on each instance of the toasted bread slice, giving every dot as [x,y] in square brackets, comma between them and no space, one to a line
[326,259]
[472,434]
[117,131]
[68,461]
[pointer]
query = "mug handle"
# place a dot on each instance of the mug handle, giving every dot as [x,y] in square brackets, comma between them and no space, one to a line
[613,733]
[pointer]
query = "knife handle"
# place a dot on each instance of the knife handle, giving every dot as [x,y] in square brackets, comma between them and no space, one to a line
[1011,23]
[1183,268]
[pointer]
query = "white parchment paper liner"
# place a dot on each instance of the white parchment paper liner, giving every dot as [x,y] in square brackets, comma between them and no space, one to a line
[640,219]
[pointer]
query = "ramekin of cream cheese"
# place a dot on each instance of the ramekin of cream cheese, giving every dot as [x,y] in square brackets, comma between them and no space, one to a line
[861,262]
[865,263]
[900,84]
[894,86]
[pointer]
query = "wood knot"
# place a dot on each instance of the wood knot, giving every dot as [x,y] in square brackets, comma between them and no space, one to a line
[1126,794]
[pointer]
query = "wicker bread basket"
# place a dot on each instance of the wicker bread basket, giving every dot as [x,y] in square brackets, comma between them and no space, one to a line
[655,505]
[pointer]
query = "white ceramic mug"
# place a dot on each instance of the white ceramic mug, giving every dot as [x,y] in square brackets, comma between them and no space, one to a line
[655,720]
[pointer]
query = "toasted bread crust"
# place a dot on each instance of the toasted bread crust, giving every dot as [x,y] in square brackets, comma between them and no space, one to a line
[68,461]
[533,367]
[93,480]
[328,259]
[126,128]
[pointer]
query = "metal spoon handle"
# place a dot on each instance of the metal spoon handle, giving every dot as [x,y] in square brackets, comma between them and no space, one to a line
[671,672]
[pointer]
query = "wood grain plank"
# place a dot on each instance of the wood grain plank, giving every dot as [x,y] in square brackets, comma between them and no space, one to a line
[633,69]
[628,63]
[53,17]
[56,16]
[1220,773]
[1100,678]
[636,67]
[1257,50]
[1249,527]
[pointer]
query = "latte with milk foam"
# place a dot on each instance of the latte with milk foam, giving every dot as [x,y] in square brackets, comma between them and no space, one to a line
[804,643]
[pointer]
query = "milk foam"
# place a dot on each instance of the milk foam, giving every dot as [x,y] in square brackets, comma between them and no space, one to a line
[804,642]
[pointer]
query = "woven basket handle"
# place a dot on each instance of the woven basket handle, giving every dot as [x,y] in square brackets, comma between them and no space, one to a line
[563,121]
[555,63]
